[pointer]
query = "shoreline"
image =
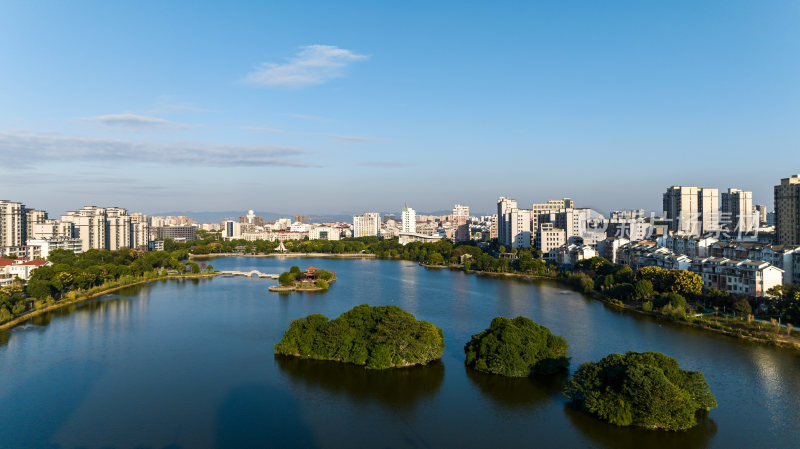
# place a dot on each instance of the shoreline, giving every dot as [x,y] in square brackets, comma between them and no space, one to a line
[775,340]
[770,339]
[288,255]
[8,325]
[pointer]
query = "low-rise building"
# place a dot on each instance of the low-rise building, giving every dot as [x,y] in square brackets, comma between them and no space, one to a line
[740,277]
[405,239]
[324,233]
[185,233]
[549,238]
[47,245]
[781,256]
[20,268]
[647,253]
[566,256]
[608,248]
[21,252]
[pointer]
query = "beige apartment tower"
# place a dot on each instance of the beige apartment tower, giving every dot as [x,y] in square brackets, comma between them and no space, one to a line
[787,211]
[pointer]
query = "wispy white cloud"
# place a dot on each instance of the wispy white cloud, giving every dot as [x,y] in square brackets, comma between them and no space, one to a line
[134,121]
[351,139]
[312,65]
[309,117]
[264,129]
[22,150]
[385,164]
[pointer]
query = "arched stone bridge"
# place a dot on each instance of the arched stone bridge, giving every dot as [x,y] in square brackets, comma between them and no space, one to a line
[249,274]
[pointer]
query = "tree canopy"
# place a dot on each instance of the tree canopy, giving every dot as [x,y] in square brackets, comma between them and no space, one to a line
[641,389]
[517,348]
[379,337]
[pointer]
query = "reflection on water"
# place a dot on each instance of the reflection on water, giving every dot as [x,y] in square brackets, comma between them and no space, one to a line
[260,416]
[190,364]
[615,437]
[400,387]
[517,391]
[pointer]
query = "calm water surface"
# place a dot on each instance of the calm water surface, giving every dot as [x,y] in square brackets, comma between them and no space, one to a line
[189,364]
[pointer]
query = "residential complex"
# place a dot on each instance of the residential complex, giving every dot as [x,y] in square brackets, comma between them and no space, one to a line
[787,211]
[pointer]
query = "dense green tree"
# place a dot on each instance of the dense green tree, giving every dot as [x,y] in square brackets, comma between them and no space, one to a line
[516,348]
[642,289]
[742,307]
[641,389]
[377,337]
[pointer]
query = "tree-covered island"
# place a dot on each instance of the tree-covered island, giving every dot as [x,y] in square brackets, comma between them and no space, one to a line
[312,279]
[646,390]
[517,348]
[378,337]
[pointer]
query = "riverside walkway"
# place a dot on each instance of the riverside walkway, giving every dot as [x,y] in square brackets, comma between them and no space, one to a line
[253,273]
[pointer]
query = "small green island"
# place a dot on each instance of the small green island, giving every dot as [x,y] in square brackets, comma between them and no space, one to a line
[647,390]
[311,280]
[377,337]
[517,347]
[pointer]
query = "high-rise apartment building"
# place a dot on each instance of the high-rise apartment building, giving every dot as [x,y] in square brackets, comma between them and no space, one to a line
[118,229]
[737,211]
[13,223]
[140,231]
[787,211]
[760,211]
[90,226]
[367,225]
[409,221]
[692,210]
[504,206]
[32,218]
[461,223]
[519,228]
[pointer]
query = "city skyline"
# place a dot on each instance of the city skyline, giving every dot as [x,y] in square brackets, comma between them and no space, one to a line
[165,107]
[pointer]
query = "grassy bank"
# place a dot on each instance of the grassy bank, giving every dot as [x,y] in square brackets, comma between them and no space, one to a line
[93,293]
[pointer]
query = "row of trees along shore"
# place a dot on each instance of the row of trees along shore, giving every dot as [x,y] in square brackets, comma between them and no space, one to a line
[671,294]
[73,276]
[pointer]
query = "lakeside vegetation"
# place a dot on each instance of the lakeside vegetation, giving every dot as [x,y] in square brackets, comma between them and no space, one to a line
[517,347]
[294,279]
[674,295]
[647,390]
[74,277]
[378,337]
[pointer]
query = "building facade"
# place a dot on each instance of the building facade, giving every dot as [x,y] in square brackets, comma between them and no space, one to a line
[367,225]
[787,211]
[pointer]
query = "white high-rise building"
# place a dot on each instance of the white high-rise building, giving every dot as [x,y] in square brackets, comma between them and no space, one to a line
[90,226]
[367,225]
[461,223]
[692,210]
[118,228]
[409,219]
[140,231]
[13,223]
[504,206]
[737,211]
[32,218]
[520,228]
[251,216]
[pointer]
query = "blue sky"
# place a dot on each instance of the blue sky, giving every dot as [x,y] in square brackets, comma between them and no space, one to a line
[338,107]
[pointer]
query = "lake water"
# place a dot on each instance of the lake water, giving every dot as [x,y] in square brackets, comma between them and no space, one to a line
[190,364]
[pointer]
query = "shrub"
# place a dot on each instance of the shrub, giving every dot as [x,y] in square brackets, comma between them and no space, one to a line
[647,306]
[641,389]
[323,284]
[378,337]
[516,348]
